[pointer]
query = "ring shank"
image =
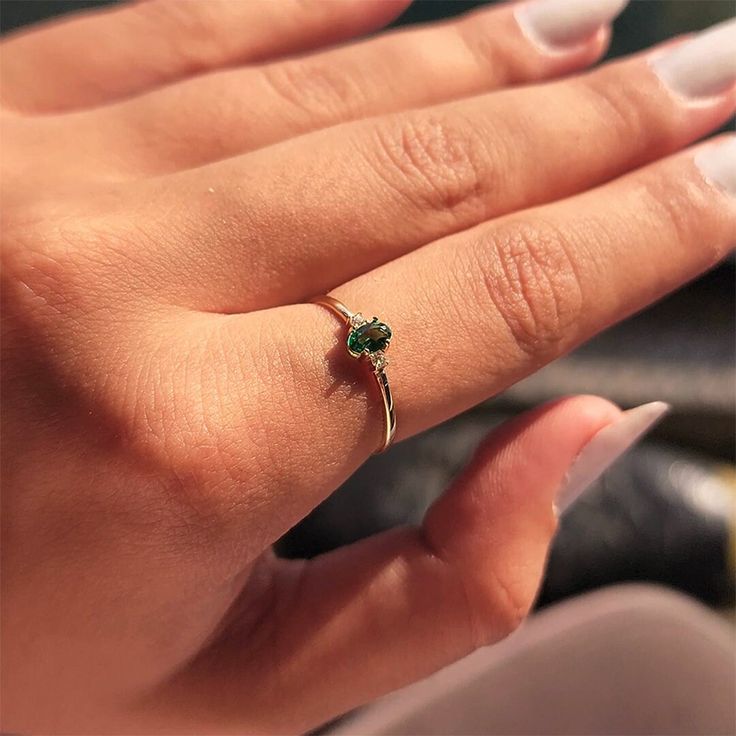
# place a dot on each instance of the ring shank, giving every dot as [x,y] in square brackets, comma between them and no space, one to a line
[335,306]
[389,415]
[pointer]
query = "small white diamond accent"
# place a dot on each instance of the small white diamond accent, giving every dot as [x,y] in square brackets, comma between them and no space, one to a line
[357,320]
[379,360]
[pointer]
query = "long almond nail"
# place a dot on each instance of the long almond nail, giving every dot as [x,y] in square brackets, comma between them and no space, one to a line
[554,25]
[605,448]
[702,67]
[717,163]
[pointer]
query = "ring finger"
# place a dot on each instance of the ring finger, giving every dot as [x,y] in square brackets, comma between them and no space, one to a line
[380,188]
[479,310]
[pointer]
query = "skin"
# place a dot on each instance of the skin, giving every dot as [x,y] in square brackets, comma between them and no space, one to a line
[170,405]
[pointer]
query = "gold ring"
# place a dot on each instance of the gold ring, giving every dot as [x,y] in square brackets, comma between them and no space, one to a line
[368,340]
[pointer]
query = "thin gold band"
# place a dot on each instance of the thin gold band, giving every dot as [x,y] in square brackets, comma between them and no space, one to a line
[355,322]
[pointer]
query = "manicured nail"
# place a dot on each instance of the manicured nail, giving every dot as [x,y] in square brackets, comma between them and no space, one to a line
[717,163]
[554,25]
[702,67]
[605,448]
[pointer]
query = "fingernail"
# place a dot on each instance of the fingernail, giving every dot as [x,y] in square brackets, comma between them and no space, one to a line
[605,448]
[702,67]
[717,163]
[554,25]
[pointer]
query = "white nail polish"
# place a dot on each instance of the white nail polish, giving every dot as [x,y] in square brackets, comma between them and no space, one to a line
[702,67]
[717,163]
[605,448]
[554,25]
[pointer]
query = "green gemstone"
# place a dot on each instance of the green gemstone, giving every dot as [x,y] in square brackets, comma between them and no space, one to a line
[369,338]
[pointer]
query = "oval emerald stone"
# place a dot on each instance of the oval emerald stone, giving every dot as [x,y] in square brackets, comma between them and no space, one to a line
[369,338]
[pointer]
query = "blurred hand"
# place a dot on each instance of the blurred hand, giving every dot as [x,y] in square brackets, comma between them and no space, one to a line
[172,194]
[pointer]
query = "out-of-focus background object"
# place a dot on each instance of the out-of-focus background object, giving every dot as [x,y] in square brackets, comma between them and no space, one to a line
[666,512]
[629,659]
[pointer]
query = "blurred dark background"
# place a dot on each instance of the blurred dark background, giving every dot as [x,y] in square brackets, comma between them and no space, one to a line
[666,512]
[644,22]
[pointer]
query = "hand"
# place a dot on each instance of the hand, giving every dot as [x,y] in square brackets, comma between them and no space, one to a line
[171,406]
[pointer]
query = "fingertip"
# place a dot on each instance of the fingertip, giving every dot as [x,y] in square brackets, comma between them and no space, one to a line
[543,444]
[559,26]
[530,59]
[584,413]
[561,425]
[519,467]
[605,448]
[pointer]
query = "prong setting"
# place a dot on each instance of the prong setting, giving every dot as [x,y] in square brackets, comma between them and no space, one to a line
[379,360]
[367,337]
[368,340]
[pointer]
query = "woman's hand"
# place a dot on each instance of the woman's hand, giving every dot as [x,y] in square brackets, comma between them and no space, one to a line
[172,194]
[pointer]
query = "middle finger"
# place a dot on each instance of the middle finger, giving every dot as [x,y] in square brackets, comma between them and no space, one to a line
[277,225]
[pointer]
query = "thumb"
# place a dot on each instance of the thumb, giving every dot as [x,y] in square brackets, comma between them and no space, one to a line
[372,617]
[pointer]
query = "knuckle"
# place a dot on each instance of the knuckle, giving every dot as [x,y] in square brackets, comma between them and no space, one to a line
[677,210]
[494,608]
[493,604]
[320,90]
[528,273]
[486,50]
[501,607]
[621,108]
[482,47]
[437,162]
[495,54]
[501,599]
